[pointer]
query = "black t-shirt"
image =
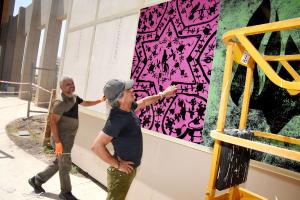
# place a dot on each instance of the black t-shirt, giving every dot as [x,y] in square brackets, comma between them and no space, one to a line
[68,106]
[73,112]
[125,129]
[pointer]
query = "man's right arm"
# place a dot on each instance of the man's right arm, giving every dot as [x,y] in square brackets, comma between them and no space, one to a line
[168,92]
[99,148]
[54,129]
[54,118]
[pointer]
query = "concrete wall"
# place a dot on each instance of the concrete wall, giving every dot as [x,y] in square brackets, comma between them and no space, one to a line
[3,41]
[63,9]
[77,56]
[7,10]
[10,45]
[48,78]
[176,169]
[7,24]
[19,47]
[28,14]
[46,9]
[31,49]
[99,46]
[19,42]
[88,7]
[41,14]
[107,9]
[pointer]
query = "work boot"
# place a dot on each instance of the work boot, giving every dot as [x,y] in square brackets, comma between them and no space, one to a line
[37,188]
[67,196]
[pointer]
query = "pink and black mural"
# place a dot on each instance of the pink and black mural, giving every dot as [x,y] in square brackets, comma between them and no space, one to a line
[175,45]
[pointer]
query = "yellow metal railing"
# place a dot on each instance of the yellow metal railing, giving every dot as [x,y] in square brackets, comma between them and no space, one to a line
[240,50]
[241,36]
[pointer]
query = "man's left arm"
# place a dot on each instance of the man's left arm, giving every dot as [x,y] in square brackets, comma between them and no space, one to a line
[168,92]
[92,103]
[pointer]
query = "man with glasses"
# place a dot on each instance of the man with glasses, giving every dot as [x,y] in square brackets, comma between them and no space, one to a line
[123,130]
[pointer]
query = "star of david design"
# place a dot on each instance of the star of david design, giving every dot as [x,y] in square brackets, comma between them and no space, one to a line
[174,45]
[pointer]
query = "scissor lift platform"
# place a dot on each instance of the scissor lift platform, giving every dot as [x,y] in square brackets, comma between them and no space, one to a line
[236,146]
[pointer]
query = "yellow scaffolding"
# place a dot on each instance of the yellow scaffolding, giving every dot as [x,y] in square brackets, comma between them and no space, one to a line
[240,50]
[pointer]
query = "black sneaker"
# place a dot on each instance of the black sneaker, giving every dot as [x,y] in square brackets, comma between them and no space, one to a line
[67,196]
[37,188]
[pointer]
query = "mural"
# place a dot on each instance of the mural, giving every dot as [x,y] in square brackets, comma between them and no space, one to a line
[272,109]
[175,45]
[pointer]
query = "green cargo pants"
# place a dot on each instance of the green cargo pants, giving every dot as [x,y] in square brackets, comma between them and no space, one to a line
[118,183]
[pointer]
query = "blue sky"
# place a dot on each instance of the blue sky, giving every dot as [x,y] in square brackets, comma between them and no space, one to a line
[25,3]
[21,3]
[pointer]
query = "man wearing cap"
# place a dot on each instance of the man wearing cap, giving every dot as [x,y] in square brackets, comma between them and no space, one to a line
[64,125]
[123,129]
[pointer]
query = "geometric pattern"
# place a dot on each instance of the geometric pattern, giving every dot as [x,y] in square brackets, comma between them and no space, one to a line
[175,45]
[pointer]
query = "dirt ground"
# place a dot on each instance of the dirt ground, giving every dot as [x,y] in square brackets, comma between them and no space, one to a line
[33,143]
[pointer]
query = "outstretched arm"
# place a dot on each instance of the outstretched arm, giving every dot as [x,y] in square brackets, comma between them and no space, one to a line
[168,92]
[92,103]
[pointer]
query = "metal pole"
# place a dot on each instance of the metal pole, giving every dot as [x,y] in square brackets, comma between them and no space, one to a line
[30,91]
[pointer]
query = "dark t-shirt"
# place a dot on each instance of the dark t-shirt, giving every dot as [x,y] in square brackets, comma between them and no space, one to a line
[73,112]
[67,108]
[125,129]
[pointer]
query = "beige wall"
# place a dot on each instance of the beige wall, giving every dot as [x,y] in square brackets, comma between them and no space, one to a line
[99,46]
[176,169]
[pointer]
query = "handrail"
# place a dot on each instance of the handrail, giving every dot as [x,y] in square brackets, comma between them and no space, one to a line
[240,35]
[258,146]
[266,67]
[262,28]
[282,57]
[277,137]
